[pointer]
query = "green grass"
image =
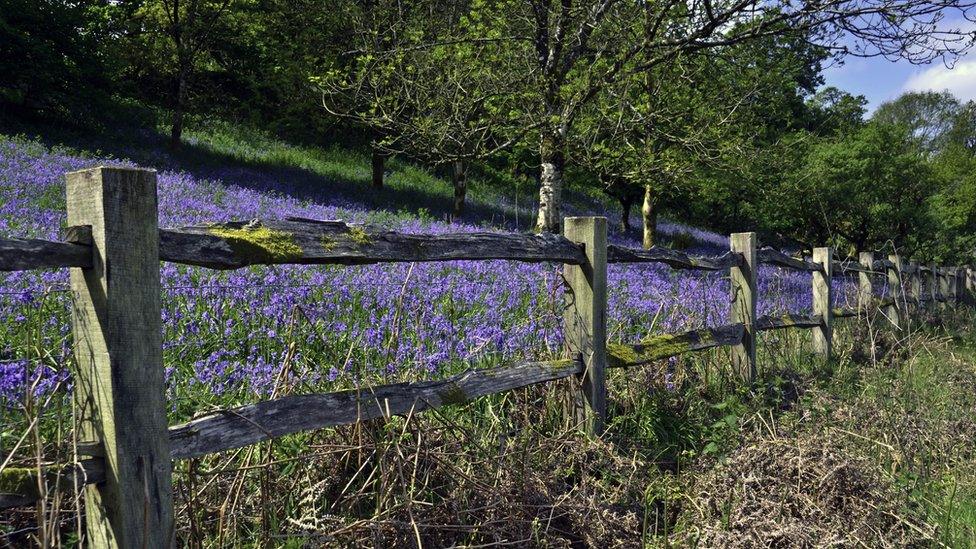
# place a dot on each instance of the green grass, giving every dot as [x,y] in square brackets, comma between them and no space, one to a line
[495,196]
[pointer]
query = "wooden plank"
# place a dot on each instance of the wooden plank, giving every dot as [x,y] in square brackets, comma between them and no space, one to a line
[24,254]
[850,266]
[959,282]
[585,319]
[306,241]
[882,265]
[952,277]
[788,320]
[914,287]
[18,486]
[844,312]
[776,257]
[117,325]
[658,347]
[229,429]
[823,301]
[673,258]
[743,303]
[969,286]
[944,291]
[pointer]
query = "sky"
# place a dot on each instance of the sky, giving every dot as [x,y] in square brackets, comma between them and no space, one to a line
[880,80]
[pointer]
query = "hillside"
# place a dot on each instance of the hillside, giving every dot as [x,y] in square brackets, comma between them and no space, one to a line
[865,449]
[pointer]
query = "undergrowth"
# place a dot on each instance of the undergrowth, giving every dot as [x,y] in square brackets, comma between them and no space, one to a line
[858,451]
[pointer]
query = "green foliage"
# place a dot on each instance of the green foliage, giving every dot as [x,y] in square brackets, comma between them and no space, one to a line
[50,58]
[863,190]
[928,116]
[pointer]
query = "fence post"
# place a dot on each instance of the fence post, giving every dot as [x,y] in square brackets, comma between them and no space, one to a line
[865,281]
[822,301]
[954,273]
[934,286]
[585,319]
[944,291]
[960,284]
[744,293]
[893,311]
[969,285]
[914,287]
[117,327]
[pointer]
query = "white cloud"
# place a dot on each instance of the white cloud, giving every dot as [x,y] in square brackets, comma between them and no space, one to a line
[960,80]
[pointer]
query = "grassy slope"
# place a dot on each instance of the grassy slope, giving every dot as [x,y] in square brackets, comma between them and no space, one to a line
[214,147]
[905,423]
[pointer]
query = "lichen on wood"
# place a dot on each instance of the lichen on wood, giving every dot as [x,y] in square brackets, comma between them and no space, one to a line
[20,481]
[648,350]
[360,236]
[667,345]
[260,244]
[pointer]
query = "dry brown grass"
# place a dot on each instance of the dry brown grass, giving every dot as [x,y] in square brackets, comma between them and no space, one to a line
[803,491]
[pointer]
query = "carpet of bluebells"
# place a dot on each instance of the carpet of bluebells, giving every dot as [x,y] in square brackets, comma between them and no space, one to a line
[240,334]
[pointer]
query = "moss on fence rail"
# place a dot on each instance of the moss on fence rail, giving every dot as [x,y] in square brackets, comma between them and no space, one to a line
[260,244]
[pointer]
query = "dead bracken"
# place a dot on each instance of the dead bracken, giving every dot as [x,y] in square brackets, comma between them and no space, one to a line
[795,492]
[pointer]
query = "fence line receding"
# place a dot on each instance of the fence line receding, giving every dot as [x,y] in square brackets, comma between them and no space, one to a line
[127,448]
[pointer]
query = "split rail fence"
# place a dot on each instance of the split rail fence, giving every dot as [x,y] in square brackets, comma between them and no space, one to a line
[113,247]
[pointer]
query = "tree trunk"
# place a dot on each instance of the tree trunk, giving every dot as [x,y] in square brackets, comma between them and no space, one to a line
[460,188]
[649,214]
[379,167]
[176,132]
[626,201]
[552,164]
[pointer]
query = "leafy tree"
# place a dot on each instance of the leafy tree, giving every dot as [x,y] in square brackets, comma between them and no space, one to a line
[581,47]
[663,133]
[943,131]
[833,111]
[929,116]
[171,42]
[426,93]
[50,58]
[865,190]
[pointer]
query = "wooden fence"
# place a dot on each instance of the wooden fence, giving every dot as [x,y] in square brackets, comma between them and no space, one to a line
[113,247]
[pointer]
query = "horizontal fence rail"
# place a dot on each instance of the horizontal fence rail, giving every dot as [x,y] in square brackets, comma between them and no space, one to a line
[299,241]
[306,241]
[269,419]
[659,347]
[120,204]
[778,258]
[25,254]
[673,258]
[25,490]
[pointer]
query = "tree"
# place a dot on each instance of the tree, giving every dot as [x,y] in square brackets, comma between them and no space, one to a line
[426,93]
[175,36]
[865,190]
[50,58]
[361,84]
[655,134]
[580,47]
[929,116]
[834,111]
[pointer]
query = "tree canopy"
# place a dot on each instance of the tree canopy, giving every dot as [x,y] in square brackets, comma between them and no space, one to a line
[714,112]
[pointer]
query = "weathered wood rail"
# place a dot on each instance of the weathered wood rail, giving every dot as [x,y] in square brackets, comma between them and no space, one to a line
[112,217]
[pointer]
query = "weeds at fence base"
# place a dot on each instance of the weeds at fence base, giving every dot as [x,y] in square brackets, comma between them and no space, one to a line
[794,492]
[437,480]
